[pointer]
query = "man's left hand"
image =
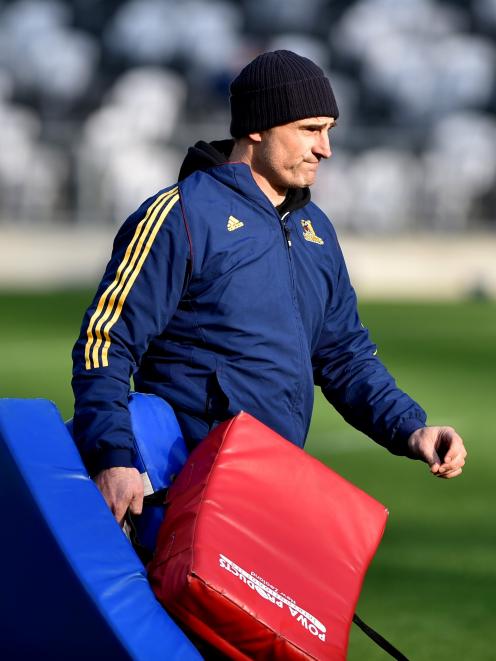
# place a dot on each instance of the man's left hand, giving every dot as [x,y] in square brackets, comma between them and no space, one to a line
[441,448]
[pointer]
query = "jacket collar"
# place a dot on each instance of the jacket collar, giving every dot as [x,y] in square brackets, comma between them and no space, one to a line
[213,157]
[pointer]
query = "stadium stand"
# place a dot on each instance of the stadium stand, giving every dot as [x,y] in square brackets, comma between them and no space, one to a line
[98,102]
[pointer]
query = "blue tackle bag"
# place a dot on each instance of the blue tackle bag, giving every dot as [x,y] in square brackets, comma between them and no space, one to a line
[160,453]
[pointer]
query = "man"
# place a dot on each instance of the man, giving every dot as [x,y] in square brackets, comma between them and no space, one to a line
[229,291]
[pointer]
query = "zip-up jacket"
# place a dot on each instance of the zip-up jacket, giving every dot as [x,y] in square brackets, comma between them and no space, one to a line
[218,302]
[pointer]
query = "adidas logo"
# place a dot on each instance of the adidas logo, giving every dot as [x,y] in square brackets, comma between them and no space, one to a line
[234,224]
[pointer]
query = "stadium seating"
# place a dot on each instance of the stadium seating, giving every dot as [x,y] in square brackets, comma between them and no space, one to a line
[100,101]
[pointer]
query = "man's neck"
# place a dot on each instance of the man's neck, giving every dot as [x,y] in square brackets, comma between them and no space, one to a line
[275,195]
[242,154]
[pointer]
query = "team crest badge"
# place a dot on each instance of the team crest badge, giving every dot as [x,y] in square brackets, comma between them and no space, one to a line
[309,233]
[234,224]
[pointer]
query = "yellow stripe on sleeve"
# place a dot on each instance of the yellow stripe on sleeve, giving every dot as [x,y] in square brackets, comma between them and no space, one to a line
[133,277]
[130,256]
[125,275]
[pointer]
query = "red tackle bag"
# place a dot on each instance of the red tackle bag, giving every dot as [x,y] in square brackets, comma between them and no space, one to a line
[263,549]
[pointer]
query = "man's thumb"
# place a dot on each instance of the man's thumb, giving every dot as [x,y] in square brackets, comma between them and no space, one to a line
[433,459]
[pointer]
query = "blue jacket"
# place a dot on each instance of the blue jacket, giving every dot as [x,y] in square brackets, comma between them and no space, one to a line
[216,303]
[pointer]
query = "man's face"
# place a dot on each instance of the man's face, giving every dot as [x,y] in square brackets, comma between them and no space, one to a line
[288,156]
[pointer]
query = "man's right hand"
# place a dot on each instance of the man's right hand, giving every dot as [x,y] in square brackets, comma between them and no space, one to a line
[122,488]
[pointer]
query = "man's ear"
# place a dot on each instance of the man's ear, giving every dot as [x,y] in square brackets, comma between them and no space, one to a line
[256,137]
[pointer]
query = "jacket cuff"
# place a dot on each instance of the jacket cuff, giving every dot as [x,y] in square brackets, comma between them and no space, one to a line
[403,433]
[111,459]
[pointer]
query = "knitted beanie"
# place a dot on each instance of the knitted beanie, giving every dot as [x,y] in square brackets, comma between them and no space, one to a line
[277,88]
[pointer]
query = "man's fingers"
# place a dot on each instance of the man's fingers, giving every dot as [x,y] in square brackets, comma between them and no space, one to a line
[455,455]
[458,461]
[447,475]
[454,460]
[122,488]
[136,504]
[132,500]
[119,511]
[433,459]
[441,448]
[455,446]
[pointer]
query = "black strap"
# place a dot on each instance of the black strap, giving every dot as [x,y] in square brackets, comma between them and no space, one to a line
[379,640]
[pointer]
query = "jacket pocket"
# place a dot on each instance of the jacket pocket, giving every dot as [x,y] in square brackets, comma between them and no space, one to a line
[219,405]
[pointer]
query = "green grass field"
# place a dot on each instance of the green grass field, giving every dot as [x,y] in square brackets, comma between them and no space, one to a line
[431,588]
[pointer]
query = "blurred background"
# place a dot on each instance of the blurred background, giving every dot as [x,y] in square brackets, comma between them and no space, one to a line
[99,100]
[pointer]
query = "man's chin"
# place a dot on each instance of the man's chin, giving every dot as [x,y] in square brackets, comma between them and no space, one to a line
[309,180]
[310,175]
[304,181]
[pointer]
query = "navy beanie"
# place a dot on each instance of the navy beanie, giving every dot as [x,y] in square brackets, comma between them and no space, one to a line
[277,88]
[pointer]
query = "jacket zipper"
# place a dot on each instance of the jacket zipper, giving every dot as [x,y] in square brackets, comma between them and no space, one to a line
[287,237]
[285,228]
[299,324]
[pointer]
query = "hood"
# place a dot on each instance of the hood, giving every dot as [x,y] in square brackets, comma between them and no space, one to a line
[204,155]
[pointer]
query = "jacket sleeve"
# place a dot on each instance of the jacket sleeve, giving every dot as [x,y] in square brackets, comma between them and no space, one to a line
[351,376]
[141,288]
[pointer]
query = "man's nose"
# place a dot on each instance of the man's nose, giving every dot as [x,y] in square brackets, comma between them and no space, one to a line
[322,145]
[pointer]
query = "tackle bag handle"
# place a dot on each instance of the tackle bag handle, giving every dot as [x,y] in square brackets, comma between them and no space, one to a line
[378,639]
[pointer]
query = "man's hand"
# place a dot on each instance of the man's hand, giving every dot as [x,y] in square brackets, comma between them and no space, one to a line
[440,447]
[122,488]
